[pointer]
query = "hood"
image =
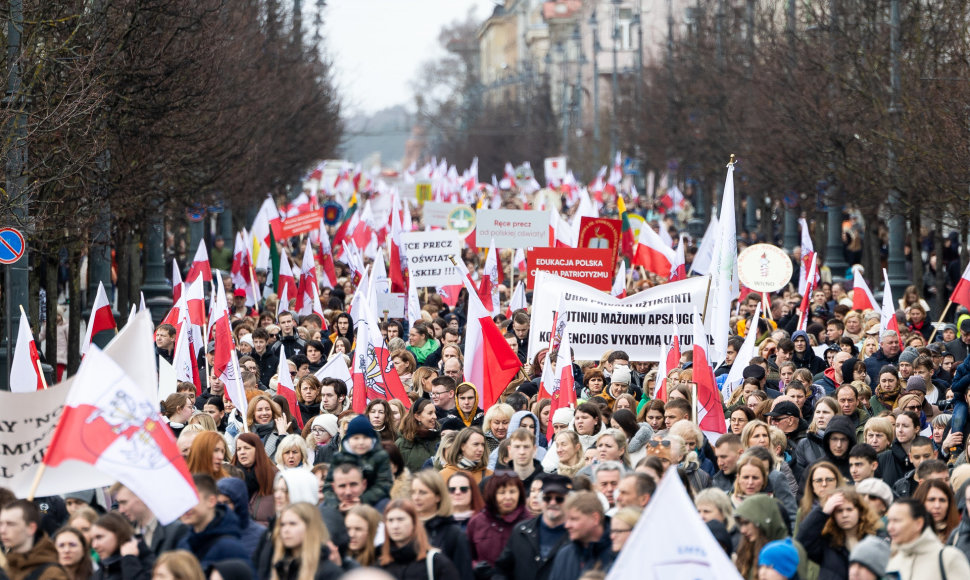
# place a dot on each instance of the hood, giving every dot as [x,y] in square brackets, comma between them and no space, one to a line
[762,510]
[517,420]
[471,416]
[829,373]
[235,490]
[840,424]
[224,524]
[43,552]
[301,485]
[233,568]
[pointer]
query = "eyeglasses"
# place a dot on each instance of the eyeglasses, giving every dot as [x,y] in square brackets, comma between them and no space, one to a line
[616,531]
[823,480]
[653,443]
[459,489]
[550,498]
[274,334]
[438,394]
[318,430]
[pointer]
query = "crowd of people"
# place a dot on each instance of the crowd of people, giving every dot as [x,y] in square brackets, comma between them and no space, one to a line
[843,456]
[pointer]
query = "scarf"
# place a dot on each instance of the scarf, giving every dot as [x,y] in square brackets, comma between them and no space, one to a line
[466,464]
[421,353]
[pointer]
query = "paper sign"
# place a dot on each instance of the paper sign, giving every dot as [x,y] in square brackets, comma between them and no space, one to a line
[301,223]
[422,191]
[429,257]
[392,303]
[512,228]
[589,266]
[435,213]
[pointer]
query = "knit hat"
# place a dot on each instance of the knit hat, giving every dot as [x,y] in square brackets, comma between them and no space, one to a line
[916,383]
[908,356]
[620,375]
[248,339]
[871,552]
[780,555]
[876,487]
[328,422]
[562,416]
[950,326]
[301,485]
[360,425]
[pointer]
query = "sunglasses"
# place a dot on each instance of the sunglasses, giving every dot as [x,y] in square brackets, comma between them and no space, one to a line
[653,443]
[459,489]
[553,499]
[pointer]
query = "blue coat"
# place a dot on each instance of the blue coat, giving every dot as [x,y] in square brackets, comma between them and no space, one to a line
[220,540]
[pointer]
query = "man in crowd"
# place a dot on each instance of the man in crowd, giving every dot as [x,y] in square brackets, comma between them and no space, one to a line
[635,490]
[888,354]
[288,342]
[30,553]
[165,342]
[159,538]
[529,553]
[213,528]
[333,396]
[589,542]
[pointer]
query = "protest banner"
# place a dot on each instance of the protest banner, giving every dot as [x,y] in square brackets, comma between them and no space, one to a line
[512,228]
[429,256]
[591,266]
[435,214]
[600,233]
[640,324]
[301,223]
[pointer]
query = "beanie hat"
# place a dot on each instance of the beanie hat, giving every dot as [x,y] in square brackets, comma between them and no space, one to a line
[248,339]
[908,356]
[360,425]
[781,556]
[301,485]
[848,370]
[871,552]
[328,422]
[562,416]
[876,487]
[620,374]
[916,383]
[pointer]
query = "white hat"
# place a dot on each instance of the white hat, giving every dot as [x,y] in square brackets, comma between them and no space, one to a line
[562,416]
[328,422]
[620,375]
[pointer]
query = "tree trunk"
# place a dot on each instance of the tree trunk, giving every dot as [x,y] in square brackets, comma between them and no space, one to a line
[941,293]
[50,267]
[915,221]
[74,315]
[122,258]
[871,259]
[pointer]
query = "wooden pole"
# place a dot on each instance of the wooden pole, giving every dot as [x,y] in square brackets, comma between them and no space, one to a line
[949,303]
[36,483]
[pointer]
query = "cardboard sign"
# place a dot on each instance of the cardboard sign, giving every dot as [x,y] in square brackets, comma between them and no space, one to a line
[555,168]
[435,214]
[512,228]
[641,325]
[589,266]
[301,223]
[596,233]
[764,268]
[429,257]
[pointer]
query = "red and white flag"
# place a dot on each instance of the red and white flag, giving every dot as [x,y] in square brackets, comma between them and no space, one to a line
[678,270]
[961,294]
[285,388]
[183,359]
[808,250]
[862,298]
[225,364]
[518,261]
[653,254]
[491,278]
[803,309]
[668,362]
[110,422]
[326,259]
[200,265]
[372,370]
[396,253]
[563,391]
[177,285]
[26,374]
[101,317]
[518,300]
[308,300]
[887,318]
[287,280]
[710,412]
[242,273]
[619,283]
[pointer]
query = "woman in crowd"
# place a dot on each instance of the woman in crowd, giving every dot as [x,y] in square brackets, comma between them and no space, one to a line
[610,446]
[343,327]
[406,549]
[821,479]
[397,414]
[496,424]
[888,389]
[363,522]
[341,346]
[260,474]
[426,350]
[207,454]
[379,414]
[569,452]
[713,504]
[811,448]
[420,434]
[405,365]
[756,433]
[293,452]
[466,499]
[833,528]
[738,419]
[637,435]
[73,553]
[621,526]
[177,410]
[879,433]
[421,380]
[467,453]
[302,549]
[315,351]
[265,418]
[938,499]
[751,479]
[652,413]
[121,555]
[593,382]
[489,529]
[308,397]
[433,504]
[895,461]
[177,565]
[759,521]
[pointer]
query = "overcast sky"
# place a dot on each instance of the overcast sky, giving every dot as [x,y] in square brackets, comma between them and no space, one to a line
[378,45]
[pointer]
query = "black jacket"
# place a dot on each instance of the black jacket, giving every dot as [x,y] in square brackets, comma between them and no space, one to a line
[445,534]
[289,568]
[833,561]
[268,363]
[894,463]
[521,559]
[118,567]
[840,424]
[406,566]
[166,538]
[573,559]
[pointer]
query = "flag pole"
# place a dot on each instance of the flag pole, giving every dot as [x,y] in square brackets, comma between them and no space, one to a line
[949,303]
[39,369]
[36,483]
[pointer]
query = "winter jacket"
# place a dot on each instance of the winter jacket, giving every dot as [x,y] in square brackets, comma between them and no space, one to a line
[166,538]
[249,531]
[521,558]
[445,534]
[514,424]
[827,381]
[488,533]
[763,511]
[268,364]
[308,411]
[418,450]
[894,463]
[21,565]
[809,360]
[808,451]
[921,559]
[842,425]
[289,568]
[118,567]
[406,566]
[876,362]
[218,541]
[960,537]
[376,467]
[833,561]
[573,559]
[268,435]
[636,447]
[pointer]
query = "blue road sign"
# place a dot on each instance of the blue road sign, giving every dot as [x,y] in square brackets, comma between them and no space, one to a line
[12,245]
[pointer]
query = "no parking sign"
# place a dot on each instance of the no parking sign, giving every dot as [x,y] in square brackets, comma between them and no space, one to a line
[12,245]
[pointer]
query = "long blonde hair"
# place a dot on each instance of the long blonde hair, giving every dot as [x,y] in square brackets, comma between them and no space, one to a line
[309,551]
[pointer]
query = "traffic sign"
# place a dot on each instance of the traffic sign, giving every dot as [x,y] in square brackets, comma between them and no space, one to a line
[12,245]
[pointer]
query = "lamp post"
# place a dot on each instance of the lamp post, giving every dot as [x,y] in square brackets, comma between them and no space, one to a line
[594,27]
[614,134]
[897,223]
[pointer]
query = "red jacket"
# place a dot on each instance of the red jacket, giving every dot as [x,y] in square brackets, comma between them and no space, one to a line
[488,533]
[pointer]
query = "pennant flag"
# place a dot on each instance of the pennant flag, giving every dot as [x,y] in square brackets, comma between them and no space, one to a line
[111,423]
[678,270]
[862,298]
[653,254]
[101,317]
[26,373]
[667,363]
[491,278]
[961,294]
[177,284]
[685,550]
[374,375]
[887,318]
[705,253]
[619,283]
[745,354]
[563,392]
[725,283]
[803,313]
[183,359]
[710,412]
[808,250]
[285,388]
[518,300]
[225,365]
[200,265]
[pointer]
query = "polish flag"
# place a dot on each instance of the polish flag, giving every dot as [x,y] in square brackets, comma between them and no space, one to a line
[518,300]
[26,374]
[518,261]
[200,265]
[678,270]
[285,388]
[364,229]
[491,278]
[862,298]
[961,294]
[619,283]
[803,313]
[308,299]
[508,179]
[563,392]
[177,285]
[887,318]
[743,357]
[225,364]
[242,273]
[808,250]
[101,317]
[111,423]
[653,254]
[287,279]
[373,372]
[667,363]
[710,413]
[183,359]
[326,258]
[396,254]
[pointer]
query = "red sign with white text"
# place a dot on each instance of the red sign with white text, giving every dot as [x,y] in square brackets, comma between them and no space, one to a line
[593,267]
[300,224]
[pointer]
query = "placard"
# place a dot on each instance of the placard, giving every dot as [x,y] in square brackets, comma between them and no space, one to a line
[764,268]
[392,303]
[301,223]
[435,213]
[589,266]
[512,228]
[429,257]
[600,233]
[641,325]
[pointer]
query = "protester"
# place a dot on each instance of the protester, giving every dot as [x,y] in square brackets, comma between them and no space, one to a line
[406,553]
[302,547]
[490,528]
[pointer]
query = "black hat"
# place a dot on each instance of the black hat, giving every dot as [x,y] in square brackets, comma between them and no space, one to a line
[785,409]
[965,326]
[754,372]
[555,483]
